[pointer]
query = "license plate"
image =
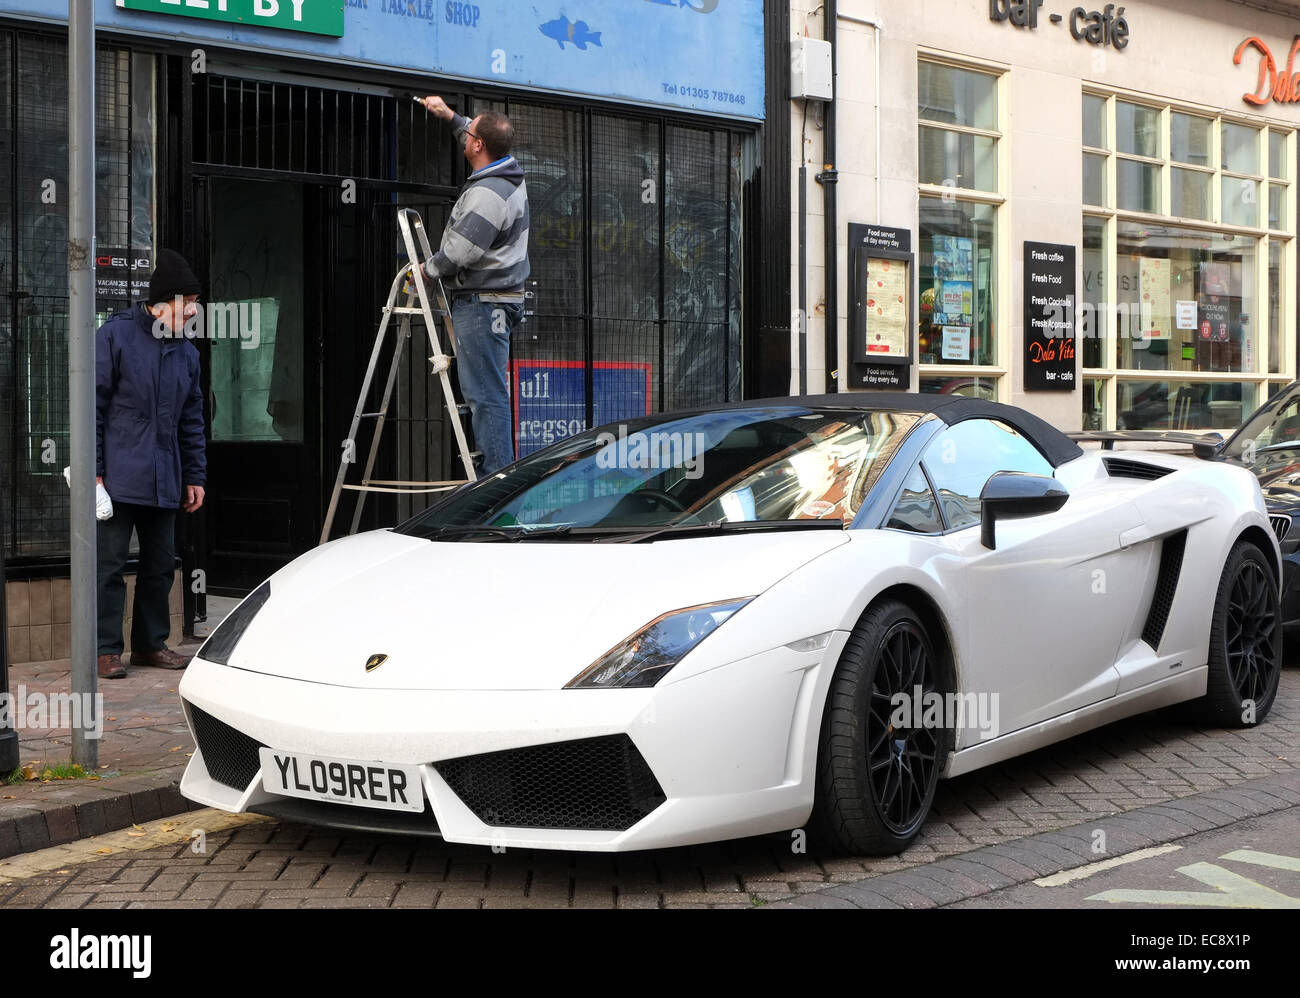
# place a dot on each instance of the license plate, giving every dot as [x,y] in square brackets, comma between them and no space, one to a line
[342,781]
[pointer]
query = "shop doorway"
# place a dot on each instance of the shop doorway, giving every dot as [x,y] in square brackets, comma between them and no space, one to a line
[295,277]
[262,330]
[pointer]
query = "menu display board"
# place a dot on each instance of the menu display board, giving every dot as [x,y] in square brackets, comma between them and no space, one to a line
[882,306]
[1049,317]
[886,304]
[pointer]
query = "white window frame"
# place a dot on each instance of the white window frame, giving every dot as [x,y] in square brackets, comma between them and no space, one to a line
[997,372]
[1261,381]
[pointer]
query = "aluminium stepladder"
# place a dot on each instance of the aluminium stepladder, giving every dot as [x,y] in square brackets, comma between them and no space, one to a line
[418,288]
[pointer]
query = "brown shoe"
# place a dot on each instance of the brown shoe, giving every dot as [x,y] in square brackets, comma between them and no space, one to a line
[163,658]
[110,667]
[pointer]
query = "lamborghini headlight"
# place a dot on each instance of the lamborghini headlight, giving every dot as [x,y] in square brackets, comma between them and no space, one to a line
[645,657]
[221,643]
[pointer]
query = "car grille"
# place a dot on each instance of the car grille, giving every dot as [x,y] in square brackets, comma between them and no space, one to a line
[230,755]
[596,783]
[1162,600]
[1281,525]
[1118,467]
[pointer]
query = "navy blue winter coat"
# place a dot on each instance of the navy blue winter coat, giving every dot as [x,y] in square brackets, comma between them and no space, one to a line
[149,406]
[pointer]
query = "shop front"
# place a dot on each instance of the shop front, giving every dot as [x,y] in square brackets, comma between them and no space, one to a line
[1100,205]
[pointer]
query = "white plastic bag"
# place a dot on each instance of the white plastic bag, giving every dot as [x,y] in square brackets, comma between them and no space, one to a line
[103,503]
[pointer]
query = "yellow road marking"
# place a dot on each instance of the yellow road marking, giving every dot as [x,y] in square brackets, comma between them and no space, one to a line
[1080,872]
[1265,859]
[1231,891]
[150,835]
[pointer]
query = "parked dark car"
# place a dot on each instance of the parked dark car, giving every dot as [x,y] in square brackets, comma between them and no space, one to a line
[1268,443]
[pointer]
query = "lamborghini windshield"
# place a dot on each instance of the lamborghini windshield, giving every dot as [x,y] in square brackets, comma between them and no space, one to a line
[779,465]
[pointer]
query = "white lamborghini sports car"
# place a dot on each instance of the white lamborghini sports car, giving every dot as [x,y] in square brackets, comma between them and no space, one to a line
[778,614]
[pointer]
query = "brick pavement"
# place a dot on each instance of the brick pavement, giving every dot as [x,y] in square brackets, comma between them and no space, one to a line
[143,752]
[1154,766]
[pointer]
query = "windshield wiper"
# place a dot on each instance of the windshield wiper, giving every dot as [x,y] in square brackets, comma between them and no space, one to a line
[724,527]
[471,530]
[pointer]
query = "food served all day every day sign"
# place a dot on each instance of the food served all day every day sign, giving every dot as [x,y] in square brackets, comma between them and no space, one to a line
[881,306]
[1049,317]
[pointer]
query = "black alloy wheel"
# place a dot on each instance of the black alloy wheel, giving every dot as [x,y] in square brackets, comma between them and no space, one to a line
[881,751]
[1245,656]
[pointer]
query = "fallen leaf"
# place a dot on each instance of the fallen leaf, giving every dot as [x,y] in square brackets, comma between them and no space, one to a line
[104,852]
[137,835]
[138,828]
[29,772]
[62,871]
[92,776]
[112,718]
[10,797]
[176,749]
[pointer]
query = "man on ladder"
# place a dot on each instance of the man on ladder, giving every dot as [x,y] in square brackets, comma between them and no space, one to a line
[483,261]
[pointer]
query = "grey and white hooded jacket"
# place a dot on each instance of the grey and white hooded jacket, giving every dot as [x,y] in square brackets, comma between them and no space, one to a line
[485,245]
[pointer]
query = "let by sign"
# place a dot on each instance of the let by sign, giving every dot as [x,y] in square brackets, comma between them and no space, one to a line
[317,17]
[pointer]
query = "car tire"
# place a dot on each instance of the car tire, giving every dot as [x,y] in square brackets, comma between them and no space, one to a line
[1245,659]
[874,789]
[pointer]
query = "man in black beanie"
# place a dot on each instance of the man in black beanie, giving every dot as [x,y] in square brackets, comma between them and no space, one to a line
[150,458]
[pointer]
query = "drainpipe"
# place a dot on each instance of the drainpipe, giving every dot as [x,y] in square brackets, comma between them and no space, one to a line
[827,178]
[803,253]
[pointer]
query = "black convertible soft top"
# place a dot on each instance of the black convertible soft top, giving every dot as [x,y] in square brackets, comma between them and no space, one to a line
[1051,442]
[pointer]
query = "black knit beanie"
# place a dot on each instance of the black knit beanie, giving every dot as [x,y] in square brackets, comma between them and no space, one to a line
[170,278]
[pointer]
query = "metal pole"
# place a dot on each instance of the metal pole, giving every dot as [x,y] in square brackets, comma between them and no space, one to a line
[8,736]
[81,360]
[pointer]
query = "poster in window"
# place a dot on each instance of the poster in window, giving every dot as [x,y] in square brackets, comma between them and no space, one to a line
[952,258]
[1155,304]
[887,291]
[956,342]
[956,298]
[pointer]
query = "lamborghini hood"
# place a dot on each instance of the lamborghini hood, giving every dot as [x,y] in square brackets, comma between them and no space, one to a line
[497,615]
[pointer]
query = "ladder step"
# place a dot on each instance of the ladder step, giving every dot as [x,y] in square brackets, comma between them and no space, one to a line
[412,310]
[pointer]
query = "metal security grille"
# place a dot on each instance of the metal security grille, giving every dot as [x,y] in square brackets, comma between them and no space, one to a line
[636,262]
[293,128]
[33,258]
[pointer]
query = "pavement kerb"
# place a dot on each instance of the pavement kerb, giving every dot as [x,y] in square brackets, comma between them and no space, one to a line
[1140,828]
[35,825]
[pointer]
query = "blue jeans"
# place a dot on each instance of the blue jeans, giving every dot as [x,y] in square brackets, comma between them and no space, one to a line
[482,358]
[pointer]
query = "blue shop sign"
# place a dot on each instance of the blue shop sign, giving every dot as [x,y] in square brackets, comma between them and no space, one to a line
[687,55]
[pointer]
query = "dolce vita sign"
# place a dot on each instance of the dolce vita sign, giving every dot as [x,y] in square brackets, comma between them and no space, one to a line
[1279,87]
[317,17]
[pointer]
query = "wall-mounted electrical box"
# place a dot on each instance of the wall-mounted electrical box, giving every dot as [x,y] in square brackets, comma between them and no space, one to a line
[810,69]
